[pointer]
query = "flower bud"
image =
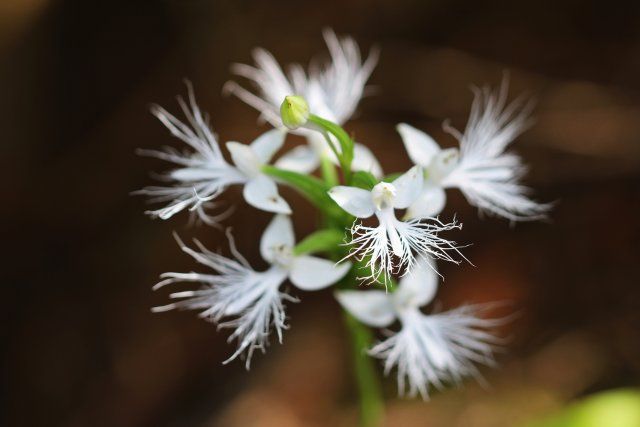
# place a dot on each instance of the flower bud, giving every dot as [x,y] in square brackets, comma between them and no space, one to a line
[294,111]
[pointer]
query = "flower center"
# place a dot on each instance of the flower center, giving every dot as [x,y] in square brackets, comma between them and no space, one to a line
[443,163]
[245,159]
[282,255]
[249,166]
[407,313]
[383,195]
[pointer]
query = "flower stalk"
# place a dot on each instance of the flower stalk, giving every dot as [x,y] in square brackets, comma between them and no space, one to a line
[370,395]
[345,152]
[370,398]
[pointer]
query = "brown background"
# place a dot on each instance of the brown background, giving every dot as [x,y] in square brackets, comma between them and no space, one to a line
[79,256]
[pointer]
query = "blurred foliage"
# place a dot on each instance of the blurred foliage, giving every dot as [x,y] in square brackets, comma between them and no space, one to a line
[618,408]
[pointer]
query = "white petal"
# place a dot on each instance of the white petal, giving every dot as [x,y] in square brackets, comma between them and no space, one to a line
[302,159]
[419,286]
[278,233]
[408,187]
[355,201]
[317,99]
[343,79]
[429,204]
[262,193]
[372,308]
[310,273]
[420,146]
[271,83]
[364,160]
[244,158]
[266,145]
[194,174]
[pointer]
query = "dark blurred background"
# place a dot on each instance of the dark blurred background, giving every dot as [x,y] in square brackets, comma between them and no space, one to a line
[77,78]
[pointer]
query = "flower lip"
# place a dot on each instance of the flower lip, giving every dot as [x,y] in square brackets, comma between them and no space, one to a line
[200,172]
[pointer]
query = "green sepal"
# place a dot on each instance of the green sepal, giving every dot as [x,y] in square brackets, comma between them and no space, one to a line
[327,240]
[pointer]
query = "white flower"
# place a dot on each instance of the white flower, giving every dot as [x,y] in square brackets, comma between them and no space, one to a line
[259,190]
[333,92]
[202,173]
[429,350]
[251,302]
[487,176]
[392,237]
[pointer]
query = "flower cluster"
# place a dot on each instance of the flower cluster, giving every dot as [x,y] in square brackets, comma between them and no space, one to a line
[376,228]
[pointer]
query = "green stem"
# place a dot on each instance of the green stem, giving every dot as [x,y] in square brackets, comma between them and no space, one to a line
[345,156]
[329,173]
[369,391]
[370,395]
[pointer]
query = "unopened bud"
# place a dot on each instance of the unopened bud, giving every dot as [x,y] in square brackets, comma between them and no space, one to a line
[294,111]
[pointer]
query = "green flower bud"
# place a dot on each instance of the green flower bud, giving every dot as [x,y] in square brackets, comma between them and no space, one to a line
[294,111]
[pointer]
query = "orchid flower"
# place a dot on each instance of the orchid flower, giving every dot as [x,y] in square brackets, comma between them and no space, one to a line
[429,350]
[389,247]
[247,301]
[487,176]
[395,233]
[202,173]
[333,92]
